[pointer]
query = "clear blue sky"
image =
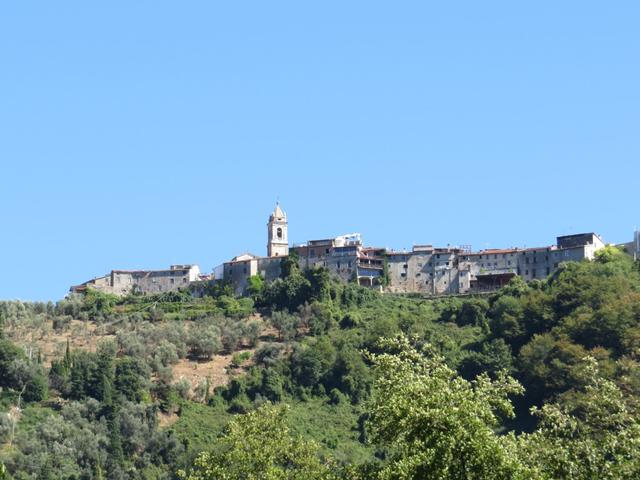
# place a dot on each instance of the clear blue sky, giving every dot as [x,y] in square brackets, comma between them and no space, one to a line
[142,133]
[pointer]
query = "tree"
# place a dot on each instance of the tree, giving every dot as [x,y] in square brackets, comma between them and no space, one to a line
[473,312]
[285,323]
[436,424]
[19,373]
[594,433]
[130,378]
[272,385]
[548,365]
[310,364]
[204,341]
[493,358]
[259,446]
[9,353]
[507,320]
[351,374]
[255,286]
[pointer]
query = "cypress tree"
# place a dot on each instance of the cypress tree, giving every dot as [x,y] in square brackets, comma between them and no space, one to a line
[67,357]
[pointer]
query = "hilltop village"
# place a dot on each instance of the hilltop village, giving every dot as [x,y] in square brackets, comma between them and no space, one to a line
[426,269]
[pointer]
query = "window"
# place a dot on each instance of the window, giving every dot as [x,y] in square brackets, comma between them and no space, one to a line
[326,250]
[172,280]
[533,274]
[508,262]
[184,280]
[279,232]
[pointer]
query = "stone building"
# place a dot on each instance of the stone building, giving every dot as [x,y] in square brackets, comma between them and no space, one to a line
[344,257]
[425,270]
[488,270]
[122,282]
[238,270]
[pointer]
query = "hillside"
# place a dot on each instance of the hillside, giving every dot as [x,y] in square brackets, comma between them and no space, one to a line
[314,378]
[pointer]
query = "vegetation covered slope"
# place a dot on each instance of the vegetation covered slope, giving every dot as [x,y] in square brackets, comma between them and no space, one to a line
[330,380]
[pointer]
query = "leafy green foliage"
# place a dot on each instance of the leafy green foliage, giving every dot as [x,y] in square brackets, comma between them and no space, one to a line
[436,407]
[259,445]
[594,433]
[436,424]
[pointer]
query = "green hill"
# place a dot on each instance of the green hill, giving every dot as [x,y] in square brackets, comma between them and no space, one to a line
[538,380]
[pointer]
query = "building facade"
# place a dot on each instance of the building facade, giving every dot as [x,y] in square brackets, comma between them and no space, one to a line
[122,282]
[425,270]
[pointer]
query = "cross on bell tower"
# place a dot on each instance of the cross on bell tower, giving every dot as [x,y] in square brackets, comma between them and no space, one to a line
[278,226]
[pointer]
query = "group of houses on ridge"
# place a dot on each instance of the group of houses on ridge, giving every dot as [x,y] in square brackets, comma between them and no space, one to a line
[426,269]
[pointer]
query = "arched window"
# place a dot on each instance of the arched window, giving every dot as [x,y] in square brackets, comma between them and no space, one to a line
[279,233]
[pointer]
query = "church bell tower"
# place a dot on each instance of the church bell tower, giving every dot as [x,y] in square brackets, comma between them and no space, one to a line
[278,245]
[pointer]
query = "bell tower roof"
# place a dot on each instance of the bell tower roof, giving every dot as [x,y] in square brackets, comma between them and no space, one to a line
[278,213]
